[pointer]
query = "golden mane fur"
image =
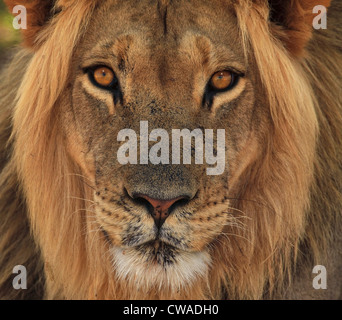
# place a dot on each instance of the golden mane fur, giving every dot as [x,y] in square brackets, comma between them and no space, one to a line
[294,184]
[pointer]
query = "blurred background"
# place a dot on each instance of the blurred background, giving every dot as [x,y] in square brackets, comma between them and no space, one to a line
[9,36]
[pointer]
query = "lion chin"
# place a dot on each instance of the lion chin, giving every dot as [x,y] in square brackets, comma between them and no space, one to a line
[160,266]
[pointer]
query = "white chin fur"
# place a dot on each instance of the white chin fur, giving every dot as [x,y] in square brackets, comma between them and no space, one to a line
[133,268]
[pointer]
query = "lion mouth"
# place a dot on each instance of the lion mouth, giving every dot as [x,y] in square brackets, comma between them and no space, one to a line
[159,252]
[156,252]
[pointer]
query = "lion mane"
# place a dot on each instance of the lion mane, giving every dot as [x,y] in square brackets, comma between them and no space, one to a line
[293,190]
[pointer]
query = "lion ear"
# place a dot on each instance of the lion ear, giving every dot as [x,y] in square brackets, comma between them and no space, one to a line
[31,17]
[296,18]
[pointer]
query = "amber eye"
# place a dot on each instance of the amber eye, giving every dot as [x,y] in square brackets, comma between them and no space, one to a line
[104,77]
[222,80]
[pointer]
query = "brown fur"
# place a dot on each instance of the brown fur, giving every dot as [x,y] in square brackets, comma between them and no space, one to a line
[265,223]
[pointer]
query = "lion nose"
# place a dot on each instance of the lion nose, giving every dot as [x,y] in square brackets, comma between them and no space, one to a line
[161,209]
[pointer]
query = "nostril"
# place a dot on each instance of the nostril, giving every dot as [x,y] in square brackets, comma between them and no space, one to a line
[179,203]
[161,204]
[160,209]
[141,201]
[128,194]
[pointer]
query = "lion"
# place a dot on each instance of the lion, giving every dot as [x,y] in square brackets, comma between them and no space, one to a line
[87,226]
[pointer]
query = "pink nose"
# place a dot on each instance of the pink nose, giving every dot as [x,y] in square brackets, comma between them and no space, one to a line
[160,208]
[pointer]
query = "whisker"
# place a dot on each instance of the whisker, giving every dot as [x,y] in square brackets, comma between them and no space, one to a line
[82,199]
[265,205]
[84,177]
[236,225]
[235,235]
[235,209]
[255,201]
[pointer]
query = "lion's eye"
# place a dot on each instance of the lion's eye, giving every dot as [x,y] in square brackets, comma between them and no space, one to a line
[103,77]
[222,80]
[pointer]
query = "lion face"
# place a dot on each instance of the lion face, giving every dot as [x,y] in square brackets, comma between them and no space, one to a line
[171,149]
[166,67]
